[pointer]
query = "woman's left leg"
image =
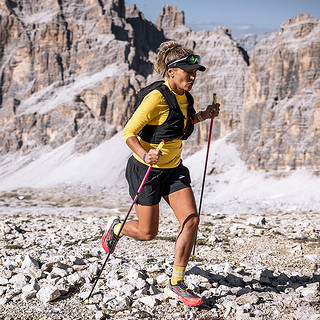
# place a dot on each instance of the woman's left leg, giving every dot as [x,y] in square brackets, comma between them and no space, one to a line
[183,204]
[184,207]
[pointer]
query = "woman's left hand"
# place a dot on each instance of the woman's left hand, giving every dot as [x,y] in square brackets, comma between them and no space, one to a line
[212,111]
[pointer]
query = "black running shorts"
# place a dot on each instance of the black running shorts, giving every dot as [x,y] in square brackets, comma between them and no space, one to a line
[160,182]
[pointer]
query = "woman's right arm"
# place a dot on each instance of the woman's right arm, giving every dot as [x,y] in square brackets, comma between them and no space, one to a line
[143,115]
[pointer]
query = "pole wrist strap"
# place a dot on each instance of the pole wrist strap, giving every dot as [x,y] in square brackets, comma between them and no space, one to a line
[144,157]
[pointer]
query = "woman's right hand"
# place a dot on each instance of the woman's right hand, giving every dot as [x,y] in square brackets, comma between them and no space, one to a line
[153,156]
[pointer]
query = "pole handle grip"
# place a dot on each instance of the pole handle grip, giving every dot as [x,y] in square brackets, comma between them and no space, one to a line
[160,146]
[214,98]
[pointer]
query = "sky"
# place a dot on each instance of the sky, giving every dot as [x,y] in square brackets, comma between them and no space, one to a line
[242,17]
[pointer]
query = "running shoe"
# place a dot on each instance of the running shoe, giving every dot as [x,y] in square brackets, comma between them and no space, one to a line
[180,292]
[110,239]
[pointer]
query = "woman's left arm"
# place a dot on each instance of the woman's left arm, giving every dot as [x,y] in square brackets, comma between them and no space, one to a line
[211,112]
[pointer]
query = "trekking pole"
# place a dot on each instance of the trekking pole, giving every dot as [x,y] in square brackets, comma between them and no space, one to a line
[214,101]
[161,144]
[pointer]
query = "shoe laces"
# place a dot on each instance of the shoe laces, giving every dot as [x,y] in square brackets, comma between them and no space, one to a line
[182,284]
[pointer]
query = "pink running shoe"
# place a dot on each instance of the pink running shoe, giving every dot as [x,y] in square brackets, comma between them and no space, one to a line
[110,239]
[180,292]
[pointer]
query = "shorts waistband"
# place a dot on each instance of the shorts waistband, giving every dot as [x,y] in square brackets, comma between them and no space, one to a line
[142,165]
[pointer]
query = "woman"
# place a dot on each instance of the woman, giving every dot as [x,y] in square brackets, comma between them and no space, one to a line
[168,178]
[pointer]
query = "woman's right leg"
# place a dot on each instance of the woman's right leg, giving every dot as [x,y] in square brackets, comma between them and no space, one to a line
[147,224]
[144,228]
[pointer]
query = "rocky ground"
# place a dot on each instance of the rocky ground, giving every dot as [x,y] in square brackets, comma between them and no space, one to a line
[265,266]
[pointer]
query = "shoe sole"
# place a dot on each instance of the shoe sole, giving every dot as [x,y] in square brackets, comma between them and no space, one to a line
[109,224]
[196,302]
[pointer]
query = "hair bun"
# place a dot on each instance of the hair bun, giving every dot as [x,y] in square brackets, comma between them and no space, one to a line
[168,51]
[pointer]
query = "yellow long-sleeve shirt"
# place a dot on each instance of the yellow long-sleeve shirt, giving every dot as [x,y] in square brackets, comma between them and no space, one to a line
[154,110]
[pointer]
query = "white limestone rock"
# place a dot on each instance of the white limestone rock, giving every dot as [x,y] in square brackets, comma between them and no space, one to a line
[48,293]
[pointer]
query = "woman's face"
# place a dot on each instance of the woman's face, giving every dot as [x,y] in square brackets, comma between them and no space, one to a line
[181,80]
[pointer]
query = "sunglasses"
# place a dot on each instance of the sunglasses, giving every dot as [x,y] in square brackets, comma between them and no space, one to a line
[191,59]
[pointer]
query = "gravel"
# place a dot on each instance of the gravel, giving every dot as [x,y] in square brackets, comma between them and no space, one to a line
[265,266]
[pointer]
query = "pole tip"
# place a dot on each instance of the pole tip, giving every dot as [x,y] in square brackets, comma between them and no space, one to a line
[86,301]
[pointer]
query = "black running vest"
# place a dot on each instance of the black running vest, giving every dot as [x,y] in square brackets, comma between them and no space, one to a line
[173,127]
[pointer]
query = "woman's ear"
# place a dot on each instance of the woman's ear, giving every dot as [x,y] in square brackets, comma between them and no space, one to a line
[171,73]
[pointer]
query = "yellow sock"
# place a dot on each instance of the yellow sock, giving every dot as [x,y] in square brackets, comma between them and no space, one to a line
[116,229]
[177,274]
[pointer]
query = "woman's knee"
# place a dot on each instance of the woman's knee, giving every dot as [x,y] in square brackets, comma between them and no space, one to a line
[147,236]
[192,221]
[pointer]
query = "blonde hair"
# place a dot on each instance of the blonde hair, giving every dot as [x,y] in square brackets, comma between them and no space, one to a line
[168,51]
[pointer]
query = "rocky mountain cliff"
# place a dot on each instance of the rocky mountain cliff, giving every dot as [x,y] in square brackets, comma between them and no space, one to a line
[249,41]
[280,123]
[71,71]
